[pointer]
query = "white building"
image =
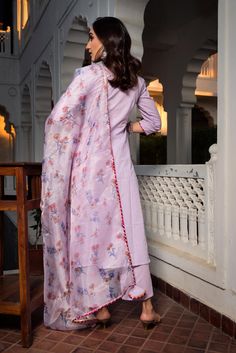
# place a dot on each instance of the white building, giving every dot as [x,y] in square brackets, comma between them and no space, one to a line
[189,209]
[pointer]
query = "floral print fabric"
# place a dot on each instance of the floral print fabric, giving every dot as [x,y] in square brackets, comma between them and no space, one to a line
[87,262]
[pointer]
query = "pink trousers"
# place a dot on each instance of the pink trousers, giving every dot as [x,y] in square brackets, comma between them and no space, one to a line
[143,280]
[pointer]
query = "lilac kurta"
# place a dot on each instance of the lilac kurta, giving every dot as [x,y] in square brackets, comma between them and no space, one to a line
[120,105]
[91,216]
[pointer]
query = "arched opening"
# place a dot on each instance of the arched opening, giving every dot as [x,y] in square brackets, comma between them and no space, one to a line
[26,125]
[7,137]
[74,48]
[204,112]
[178,37]
[44,105]
[153,147]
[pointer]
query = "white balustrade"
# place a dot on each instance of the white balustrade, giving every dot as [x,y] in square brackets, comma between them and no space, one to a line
[176,200]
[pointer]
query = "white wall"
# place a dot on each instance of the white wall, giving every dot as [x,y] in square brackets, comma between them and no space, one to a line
[218,289]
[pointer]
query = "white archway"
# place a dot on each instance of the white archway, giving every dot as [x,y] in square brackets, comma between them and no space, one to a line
[43,106]
[26,125]
[74,50]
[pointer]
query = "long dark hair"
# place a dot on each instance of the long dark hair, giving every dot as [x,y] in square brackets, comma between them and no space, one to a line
[117,43]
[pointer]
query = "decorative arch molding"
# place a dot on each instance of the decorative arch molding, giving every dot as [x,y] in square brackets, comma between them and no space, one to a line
[193,70]
[43,105]
[132,14]
[43,91]
[73,49]
[26,124]
[5,114]
[7,137]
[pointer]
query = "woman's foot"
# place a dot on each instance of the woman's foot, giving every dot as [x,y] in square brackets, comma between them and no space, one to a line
[103,317]
[149,317]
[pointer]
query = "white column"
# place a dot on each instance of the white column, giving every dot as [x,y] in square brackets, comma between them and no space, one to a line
[39,137]
[226,168]
[26,142]
[184,134]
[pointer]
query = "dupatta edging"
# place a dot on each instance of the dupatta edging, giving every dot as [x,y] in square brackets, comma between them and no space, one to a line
[87,261]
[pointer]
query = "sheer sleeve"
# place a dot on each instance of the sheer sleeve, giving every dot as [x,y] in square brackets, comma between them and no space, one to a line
[151,121]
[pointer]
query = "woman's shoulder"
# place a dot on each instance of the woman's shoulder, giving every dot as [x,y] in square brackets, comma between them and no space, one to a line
[90,70]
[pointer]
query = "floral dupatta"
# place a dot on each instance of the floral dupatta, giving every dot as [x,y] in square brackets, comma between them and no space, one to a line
[87,262]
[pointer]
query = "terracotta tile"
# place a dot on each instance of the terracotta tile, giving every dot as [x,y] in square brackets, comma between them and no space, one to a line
[203,327]
[198,343]
[193,350]
[204,312]
[121,329]
[3,333]
[178,339]
[134,341]
[161,285]
[159,336]
[232,349]
[218,347]
[82,350]
[110,347]
[4,346]
[164,328]
[184,300]
[201,335]
[129,322]
[215,318]
[181,331]
[146,351]
[169,321]
[169,290]
[220,337]
[62,347]
[173,315]
[12,338]
[73,339]
[100,334]
[83,333]
[90,343]
[116,337]
[57,336]
[127,349]
[227,325]
[153,345]
[194,306]
[16,348]
[186,324]
[45,344]
[176,295]
[173,348]
[141,333]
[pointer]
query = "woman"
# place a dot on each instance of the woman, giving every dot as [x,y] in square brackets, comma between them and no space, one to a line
[95,250]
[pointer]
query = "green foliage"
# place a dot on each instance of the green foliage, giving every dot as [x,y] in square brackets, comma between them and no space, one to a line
[36,213]
[202,139]
[153,149]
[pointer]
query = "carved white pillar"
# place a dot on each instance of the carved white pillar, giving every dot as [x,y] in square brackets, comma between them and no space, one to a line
[39,137]
[18,154]
[184,134]
[26,142]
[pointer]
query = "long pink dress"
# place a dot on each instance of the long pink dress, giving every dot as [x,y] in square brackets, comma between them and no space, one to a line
[92,222]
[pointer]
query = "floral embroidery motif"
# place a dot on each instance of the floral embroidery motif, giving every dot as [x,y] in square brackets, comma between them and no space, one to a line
[87,262]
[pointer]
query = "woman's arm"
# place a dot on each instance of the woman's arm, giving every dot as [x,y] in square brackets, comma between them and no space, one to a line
[151,121]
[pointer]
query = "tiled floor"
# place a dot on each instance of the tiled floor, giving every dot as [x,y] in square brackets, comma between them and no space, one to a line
[180,332]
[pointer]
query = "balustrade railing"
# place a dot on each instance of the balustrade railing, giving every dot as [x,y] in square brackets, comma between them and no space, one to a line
[178,206]
[5,42]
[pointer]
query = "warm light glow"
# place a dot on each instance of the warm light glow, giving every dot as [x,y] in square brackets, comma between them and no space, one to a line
[204,93]
[3,133]
[19,18]
[25,12]
[155,90]
[6,141]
